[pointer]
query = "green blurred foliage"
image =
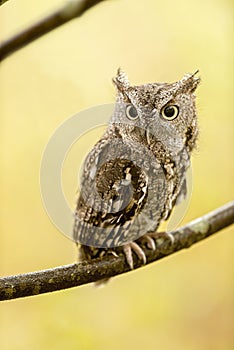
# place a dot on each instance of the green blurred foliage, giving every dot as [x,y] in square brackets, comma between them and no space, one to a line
[183,302]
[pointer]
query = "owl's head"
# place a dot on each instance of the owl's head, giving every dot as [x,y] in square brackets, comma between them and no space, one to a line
[157,111]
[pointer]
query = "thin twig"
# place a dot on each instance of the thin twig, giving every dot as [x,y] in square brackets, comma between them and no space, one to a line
[71,10]
[68,276]
[2,2]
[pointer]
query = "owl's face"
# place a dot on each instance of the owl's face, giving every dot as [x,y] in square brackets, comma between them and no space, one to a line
[157,111]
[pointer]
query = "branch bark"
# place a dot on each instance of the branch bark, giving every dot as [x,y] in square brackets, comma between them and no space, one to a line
[72,9]
[73,275]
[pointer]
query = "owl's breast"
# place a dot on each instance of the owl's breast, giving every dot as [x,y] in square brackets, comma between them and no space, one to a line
[126,190]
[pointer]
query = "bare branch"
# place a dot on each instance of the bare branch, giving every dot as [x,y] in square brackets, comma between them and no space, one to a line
[2,2]
[71,10]
[68,276]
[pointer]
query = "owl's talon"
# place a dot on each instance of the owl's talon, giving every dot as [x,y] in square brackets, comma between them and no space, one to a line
[164,234]
[171,237]
[128,254]
[114,253]
[150,242]
[133,246]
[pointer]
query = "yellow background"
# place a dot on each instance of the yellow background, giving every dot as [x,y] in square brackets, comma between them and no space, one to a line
[183,302]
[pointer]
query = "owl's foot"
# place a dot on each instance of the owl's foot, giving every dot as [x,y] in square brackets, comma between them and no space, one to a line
[151,236]
[129,248]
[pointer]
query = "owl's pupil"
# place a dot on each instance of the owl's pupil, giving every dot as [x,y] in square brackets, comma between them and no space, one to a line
[169,111]
[132,112]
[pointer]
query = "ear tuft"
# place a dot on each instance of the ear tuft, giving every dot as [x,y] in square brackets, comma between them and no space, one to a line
[121,81]
[189,82]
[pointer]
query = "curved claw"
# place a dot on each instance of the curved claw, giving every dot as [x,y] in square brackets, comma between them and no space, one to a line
[150,238]
[133,246]
[150,242]
[170,236]
[161,234]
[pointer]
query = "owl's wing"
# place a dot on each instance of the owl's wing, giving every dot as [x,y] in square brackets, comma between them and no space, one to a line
[113,192]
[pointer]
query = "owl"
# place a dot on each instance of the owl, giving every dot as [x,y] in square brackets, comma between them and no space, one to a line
[136,173]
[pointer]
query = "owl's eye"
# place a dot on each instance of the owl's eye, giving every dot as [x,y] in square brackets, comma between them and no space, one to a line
[131,112]
[170,112]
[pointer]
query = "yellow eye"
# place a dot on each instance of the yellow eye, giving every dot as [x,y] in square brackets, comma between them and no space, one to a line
[131,112]
[170,112]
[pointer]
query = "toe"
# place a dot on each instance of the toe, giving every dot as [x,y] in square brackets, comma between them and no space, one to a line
[133,247]
[170,236]
[128,254]
[139,251]
[164,234]
[150,242]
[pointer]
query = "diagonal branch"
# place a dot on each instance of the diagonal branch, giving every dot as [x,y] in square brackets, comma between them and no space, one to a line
[68,276]
[2,2]
[71,10]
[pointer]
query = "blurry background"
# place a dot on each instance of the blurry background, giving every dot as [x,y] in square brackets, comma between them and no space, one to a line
[182,302]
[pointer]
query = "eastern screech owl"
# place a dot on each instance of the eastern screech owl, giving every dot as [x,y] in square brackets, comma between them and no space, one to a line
[135,173]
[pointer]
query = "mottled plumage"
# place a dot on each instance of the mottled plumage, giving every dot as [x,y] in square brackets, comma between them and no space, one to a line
[135,174]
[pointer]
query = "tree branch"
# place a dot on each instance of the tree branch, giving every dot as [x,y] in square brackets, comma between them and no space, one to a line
[71,10]
[2,2]
[68,276]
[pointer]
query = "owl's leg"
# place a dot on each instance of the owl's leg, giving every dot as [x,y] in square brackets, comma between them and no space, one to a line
[133,246]
[82,253]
